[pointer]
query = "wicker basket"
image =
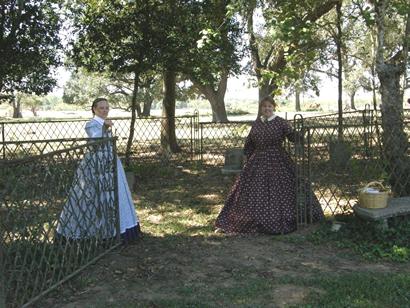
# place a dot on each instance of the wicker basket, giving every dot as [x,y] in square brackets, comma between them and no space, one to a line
[373,200]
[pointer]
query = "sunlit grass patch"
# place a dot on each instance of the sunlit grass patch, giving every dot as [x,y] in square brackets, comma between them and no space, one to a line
[170,219]
[186,204]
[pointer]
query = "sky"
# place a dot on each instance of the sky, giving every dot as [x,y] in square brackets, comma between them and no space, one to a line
[239,89]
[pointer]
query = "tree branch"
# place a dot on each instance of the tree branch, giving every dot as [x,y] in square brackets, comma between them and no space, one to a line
[324,72]
[321,9]
[253,46]
[380,8]
[280,61]
[120,92]
[406,41]
[223,83]
[266,61]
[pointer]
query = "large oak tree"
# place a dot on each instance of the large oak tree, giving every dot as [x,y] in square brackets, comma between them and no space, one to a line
[393,44]
[29,47]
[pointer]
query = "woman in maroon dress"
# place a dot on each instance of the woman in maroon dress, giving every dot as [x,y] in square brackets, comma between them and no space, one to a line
[263,198]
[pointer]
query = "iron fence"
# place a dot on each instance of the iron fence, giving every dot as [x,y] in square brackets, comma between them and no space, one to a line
[337,156]
[149,142]
[343,157]
[333,160]
[58,214]
[216,138]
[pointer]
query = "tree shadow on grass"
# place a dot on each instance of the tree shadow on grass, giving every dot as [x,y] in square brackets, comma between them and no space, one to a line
[182,262]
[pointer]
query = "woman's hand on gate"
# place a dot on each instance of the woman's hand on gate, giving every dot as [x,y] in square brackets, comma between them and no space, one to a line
[108,123]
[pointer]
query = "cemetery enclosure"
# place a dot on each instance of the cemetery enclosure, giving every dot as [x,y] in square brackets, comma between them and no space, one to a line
[336,158]
[335,165]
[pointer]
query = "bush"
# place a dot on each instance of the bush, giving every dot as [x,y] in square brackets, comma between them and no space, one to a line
[237,112]
[313,107]
[368,239]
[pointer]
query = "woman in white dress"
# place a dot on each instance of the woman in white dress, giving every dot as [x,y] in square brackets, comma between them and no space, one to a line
[86,213]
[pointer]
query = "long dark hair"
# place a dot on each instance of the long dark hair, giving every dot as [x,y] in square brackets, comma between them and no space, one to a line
[96,101]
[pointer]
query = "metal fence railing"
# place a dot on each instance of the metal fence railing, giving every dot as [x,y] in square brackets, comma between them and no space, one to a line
[46,176]
[216,138]
[364,147]
[58,213]
[343,158]
[147,144]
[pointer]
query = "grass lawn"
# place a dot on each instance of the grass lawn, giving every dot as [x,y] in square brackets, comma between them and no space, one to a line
[181,262]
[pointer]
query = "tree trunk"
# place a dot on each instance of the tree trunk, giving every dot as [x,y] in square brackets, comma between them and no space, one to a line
[373,69]
[34,111]
[340,71]
[146,112]
[168,137]
[297,99]
[217,101]
[138,109]
[395,142]
[374,95]
[352,103]
[265,89]
[16,102]
[134,106]
[219,114]
[215,97]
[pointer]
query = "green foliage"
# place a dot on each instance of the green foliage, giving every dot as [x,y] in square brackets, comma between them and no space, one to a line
[368,239]
[237,112]
[287,43]
[217,48]
[33,102]
[83,87]
[147,38]
[394,19]
[121,37]
[29,46]
[151,170]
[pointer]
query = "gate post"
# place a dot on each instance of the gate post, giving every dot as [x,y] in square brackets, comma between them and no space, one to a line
[3,141]
[197,137]
[367,130]
[299,159]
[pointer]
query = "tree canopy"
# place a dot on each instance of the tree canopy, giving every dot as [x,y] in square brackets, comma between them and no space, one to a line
[30,46]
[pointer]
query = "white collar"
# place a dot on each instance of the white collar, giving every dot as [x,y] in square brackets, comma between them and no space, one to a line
[99,120]
[268,119]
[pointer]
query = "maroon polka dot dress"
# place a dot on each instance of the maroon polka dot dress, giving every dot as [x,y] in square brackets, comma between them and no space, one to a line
[263,198]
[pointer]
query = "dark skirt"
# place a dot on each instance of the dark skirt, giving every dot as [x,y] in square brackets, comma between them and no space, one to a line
[131,235]
[128,237]
[263,197]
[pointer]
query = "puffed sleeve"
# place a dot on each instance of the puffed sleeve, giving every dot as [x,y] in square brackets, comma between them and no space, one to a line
[93,129]
[249,146]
